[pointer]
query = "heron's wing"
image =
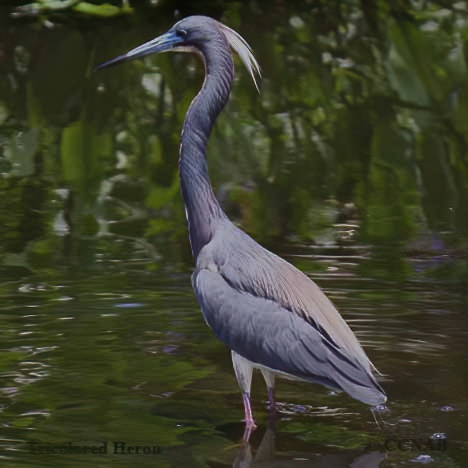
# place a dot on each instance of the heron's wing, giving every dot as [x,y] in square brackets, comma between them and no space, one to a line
[249,268]
[265,333]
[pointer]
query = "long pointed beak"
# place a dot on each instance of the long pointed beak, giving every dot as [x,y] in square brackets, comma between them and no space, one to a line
[163,43]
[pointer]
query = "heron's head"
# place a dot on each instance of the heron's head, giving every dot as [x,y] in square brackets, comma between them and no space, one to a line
[194,34]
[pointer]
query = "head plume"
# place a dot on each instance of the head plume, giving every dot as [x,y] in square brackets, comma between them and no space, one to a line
[240,46]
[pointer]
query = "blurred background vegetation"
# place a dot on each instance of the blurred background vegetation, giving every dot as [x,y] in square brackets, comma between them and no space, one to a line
[363,112]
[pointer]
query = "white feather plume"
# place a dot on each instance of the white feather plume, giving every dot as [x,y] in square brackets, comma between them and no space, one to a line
[240,46]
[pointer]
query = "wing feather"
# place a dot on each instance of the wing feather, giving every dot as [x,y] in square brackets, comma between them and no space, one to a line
[249,267]
[267,334]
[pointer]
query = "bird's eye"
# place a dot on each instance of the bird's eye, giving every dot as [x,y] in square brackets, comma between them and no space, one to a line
[182,33]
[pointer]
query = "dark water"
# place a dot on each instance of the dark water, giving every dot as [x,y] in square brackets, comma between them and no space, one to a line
[352,164]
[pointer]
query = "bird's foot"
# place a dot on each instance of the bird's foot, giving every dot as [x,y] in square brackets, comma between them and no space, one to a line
[271,405]
[249,421]
[271,399]
[272,410]
[250,426]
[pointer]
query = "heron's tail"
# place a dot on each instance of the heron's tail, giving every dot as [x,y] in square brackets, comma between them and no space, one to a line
[358,382]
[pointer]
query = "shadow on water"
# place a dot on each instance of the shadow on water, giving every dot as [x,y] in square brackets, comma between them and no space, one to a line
[351,164]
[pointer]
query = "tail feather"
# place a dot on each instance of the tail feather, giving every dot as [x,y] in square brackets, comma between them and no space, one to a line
[358,382]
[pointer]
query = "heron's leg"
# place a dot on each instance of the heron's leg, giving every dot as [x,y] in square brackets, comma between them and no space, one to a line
[269,377]
[243,369]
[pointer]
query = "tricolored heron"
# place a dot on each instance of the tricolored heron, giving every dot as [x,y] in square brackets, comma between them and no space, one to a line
[270,314]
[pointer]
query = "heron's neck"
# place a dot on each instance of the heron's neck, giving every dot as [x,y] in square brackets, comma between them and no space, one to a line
[202,208]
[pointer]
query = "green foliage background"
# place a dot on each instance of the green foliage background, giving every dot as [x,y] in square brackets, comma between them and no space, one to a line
[361,103]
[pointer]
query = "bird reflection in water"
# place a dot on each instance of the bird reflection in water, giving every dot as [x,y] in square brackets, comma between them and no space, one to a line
[265,457]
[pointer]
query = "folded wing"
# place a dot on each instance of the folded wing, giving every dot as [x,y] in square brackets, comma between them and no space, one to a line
[244,303]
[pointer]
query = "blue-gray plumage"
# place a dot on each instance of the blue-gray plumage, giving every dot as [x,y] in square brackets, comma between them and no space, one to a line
[270,314]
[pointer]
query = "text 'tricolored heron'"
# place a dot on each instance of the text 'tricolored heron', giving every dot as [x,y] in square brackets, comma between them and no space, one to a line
[272,316]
